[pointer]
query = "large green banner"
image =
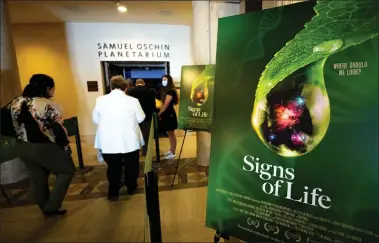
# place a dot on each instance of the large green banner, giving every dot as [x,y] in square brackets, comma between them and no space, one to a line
[196,97]
[294,154]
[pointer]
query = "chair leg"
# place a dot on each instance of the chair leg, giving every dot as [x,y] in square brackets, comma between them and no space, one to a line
[5,195]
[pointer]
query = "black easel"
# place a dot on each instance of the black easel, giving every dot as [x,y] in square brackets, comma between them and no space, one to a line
[180,155]
[218,236]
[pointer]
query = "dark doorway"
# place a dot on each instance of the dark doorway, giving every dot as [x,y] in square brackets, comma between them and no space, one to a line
[150,72]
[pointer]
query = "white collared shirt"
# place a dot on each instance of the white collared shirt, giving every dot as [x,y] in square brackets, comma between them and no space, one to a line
[118,116]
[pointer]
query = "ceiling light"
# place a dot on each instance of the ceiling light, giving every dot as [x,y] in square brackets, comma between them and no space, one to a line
[121,8]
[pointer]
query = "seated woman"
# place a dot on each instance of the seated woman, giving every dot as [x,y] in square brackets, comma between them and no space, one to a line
[39,125]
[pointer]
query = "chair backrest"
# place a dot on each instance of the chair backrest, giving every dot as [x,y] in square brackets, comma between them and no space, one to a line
[14,170]
[71,125]
[7,151]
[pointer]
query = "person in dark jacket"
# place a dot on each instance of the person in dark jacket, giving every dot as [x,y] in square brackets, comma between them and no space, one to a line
[146,97]
[130,83]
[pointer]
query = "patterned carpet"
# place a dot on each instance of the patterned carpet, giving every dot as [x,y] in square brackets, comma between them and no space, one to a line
[94,184]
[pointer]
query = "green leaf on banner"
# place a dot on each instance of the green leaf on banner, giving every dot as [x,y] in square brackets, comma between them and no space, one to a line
[337,26]
[205,79]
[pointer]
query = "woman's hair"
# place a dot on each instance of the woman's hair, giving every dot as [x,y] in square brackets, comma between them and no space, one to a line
[38,86]
[118,82]
[170,86]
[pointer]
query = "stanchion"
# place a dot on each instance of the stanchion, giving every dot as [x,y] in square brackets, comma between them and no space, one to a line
[151,192]
[156,137]
[180,155]
[72,127]
[152,205]
[82,169]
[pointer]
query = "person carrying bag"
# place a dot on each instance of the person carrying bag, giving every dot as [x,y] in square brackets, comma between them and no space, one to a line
[43,143]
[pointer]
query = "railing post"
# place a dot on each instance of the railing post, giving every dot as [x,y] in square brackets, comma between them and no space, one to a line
[78,144]
[156,137]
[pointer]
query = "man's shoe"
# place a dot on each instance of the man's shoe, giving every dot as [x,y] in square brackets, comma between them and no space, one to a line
[131,192]
[112,199]
[55,212]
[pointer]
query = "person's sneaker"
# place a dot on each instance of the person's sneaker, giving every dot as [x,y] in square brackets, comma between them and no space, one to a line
[166,153]
[169,156]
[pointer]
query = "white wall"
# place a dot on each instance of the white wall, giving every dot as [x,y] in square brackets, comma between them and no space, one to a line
[204,37]
[83,39]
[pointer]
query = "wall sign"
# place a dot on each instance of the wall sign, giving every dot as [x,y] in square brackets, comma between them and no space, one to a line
[133,50]
[92,86]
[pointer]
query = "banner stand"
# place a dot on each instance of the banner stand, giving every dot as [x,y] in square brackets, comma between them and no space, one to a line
[219,235]
[180,155]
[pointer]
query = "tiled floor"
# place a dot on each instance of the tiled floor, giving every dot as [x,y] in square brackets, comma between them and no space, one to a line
[92,218]
[90,159]
[97,220]
[94,184]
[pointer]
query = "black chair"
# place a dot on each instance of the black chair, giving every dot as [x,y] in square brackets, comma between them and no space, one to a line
[6,153]
[5,195]
[72,127]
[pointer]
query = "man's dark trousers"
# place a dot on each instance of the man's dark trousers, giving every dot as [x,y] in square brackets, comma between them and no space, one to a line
[116,162]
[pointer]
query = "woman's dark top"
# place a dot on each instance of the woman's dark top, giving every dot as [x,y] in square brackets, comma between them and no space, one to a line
[169,121]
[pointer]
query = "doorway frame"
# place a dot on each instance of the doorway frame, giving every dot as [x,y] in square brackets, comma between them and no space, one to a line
[105,69]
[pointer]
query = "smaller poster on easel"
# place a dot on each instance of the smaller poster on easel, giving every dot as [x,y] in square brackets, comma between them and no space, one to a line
[196,97]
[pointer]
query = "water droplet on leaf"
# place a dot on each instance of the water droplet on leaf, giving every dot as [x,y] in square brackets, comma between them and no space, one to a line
[199,92]
[328,46]
[294,116]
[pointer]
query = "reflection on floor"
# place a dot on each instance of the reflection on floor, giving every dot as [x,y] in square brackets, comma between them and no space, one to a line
[94,184]
[97,220]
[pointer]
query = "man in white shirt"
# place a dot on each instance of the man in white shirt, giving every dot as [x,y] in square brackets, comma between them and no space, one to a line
[119,136]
